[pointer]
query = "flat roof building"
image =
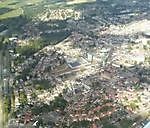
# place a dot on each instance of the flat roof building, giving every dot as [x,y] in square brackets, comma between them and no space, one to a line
[147,125]
[146,34]
[74,65]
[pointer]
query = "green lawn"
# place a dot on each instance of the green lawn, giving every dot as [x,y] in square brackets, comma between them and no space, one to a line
[13,13]
[126,123]
[42,84]
[106,124]
[80,124]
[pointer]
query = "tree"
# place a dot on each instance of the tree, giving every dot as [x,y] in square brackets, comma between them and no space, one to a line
[22,98]
[133,106]
[139,98]
[34,95]
[1,41]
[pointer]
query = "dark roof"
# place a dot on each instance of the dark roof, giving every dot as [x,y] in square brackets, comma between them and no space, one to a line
[74,64]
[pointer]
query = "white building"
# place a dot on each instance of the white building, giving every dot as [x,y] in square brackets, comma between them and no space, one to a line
[147,125]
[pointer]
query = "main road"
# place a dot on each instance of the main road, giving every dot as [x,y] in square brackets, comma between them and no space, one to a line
[1,92]
[5,95]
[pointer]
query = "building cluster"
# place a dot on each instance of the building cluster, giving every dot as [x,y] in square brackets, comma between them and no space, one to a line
[100,71]
[50,61]
[60,14]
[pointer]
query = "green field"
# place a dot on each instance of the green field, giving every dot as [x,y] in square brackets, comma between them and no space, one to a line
[15,7]
[16,14]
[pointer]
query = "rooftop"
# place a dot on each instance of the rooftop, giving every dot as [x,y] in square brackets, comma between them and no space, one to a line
[147,125]
[74,64]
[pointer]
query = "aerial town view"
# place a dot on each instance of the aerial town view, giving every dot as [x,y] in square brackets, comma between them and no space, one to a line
[74,63]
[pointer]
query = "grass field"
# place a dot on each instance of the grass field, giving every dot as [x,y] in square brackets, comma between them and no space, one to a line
[31,8]
[15,14]
[15,7]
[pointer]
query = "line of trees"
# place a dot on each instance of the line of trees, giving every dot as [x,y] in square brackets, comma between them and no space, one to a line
[4,41]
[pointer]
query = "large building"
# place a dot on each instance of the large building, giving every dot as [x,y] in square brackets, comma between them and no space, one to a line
[147,125]
[146,34]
